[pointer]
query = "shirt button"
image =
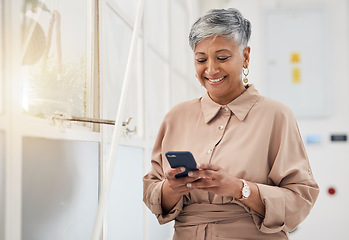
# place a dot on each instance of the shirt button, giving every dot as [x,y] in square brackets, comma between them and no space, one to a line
[226,109]
[209,151]
[221,127]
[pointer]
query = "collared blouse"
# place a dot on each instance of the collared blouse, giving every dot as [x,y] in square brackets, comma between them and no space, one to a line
[253,138]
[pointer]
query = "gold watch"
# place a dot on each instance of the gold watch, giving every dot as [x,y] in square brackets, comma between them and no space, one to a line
[245,191]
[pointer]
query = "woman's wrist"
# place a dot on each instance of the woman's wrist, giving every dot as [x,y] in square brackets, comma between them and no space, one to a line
[168,190]
[238,186]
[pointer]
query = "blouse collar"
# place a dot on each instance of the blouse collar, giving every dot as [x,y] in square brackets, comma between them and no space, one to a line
[240,106]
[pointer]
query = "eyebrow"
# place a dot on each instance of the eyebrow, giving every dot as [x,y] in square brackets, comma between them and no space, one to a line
[222,50]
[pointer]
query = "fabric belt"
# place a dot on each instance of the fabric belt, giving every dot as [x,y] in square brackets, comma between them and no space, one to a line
[201,215]
[195,214]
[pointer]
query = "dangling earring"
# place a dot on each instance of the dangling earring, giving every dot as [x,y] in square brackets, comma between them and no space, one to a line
[245,74]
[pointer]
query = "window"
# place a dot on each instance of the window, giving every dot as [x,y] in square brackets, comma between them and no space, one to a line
[55,62]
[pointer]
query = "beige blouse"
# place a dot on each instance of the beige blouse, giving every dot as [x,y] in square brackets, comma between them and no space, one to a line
[253,138]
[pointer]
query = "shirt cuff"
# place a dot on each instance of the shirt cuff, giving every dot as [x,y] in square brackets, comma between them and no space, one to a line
[155,206]
[274,201]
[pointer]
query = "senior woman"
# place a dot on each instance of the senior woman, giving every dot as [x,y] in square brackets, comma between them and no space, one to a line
[254,179]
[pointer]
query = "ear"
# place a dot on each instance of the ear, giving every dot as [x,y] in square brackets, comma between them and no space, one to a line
[246,55]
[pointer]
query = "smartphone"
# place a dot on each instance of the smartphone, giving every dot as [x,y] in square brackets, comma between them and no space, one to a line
[181,159]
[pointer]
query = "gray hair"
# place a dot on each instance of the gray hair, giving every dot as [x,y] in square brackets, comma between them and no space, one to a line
[228,23]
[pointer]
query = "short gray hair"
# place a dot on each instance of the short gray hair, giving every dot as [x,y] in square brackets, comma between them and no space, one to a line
[228,23]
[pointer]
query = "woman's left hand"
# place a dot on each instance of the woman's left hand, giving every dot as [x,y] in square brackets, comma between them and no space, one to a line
[216,180]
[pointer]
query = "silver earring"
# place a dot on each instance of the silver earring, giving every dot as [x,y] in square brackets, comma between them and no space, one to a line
[245,74]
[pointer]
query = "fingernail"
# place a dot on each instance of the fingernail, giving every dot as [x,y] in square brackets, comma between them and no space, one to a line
[198,165]
[189,185]
[182,169]
[190,174]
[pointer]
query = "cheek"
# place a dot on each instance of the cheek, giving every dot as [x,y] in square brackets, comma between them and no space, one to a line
[199,69]
[234,68]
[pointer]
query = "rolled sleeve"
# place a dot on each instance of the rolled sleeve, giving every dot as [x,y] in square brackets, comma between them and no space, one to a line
[152,199]
[291,190]
[175,211]
[287,206]
[274,201]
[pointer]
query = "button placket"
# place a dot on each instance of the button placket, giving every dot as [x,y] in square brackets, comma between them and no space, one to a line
[220,123]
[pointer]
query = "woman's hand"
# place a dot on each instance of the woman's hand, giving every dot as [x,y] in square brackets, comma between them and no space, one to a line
[174,188]
[216,180]
[179,186]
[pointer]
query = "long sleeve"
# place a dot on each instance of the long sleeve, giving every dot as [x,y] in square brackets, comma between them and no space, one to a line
[152,183]
[292,190]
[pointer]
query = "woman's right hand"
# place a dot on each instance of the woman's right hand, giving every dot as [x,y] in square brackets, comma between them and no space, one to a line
[178,185]
[174,188]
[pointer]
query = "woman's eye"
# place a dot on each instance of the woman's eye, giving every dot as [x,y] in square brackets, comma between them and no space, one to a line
[222,58]
[201,60]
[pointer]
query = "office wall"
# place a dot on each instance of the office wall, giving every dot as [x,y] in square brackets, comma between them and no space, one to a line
[329,159]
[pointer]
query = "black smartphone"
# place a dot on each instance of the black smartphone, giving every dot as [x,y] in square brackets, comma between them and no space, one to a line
[181,159]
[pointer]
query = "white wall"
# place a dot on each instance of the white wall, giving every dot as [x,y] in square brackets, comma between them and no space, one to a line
[329,160]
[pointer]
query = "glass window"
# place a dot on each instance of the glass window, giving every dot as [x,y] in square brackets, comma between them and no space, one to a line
[54,59]
[128,7]
[59,189]
[125,205]
[115,51]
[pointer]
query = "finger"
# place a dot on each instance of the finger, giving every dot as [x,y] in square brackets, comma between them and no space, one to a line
[208,166]
[203,174]
[182,183]
[184,189]
[174,171]
[204,184]
[177,184]
[209,189]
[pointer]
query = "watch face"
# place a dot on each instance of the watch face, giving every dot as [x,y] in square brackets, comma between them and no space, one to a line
[246,192]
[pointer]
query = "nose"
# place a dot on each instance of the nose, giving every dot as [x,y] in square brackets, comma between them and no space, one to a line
[212,68]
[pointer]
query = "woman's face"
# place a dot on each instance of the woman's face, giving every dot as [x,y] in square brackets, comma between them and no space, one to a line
[219,64]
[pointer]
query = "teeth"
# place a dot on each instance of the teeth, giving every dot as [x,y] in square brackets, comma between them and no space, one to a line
[216,80]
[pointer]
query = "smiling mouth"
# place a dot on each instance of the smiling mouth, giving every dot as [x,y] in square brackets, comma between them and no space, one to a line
[215,80]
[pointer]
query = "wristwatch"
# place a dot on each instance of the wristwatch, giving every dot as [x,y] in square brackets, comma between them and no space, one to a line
[245,191]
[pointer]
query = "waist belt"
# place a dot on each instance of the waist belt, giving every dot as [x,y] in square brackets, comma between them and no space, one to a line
[196,214]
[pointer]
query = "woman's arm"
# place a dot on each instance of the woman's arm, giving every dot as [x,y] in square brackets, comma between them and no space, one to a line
[254,201]
[169,197]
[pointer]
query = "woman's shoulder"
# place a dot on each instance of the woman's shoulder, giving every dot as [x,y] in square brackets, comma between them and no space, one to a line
[273,107]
